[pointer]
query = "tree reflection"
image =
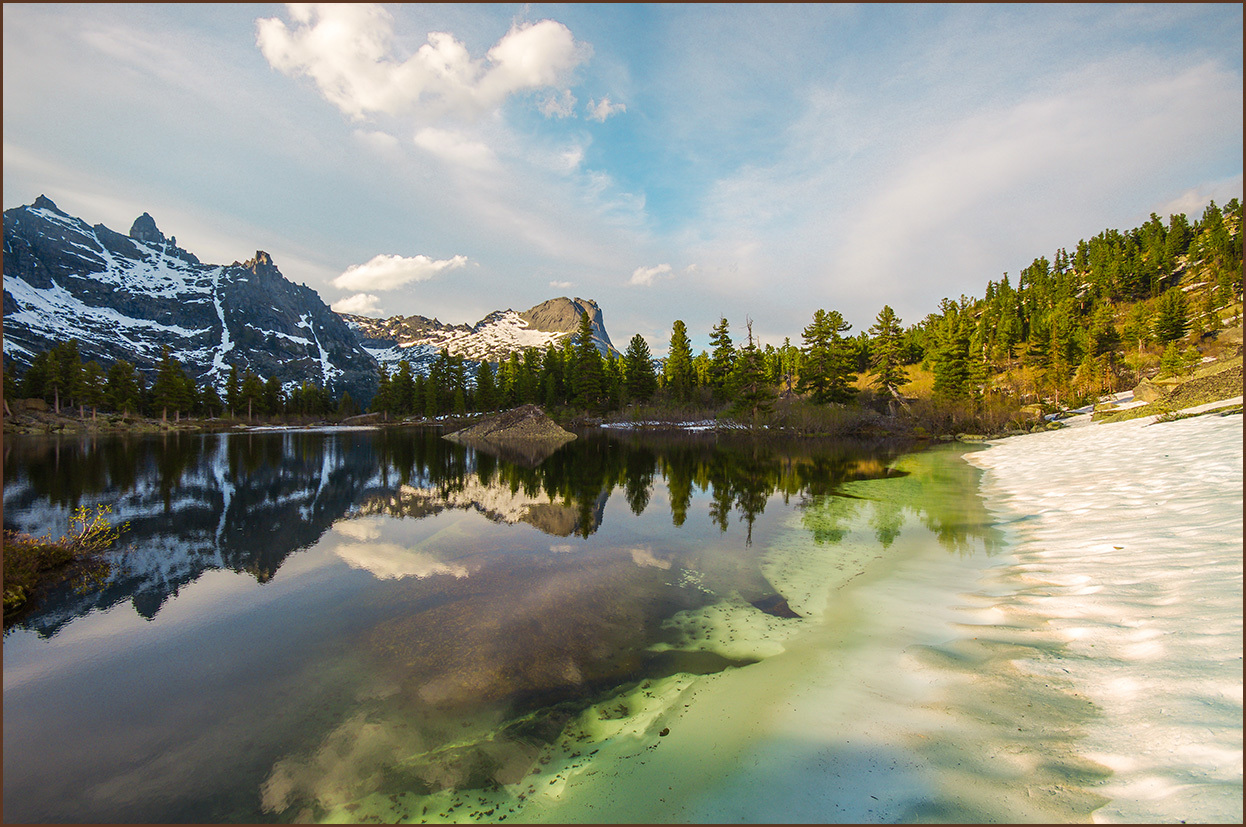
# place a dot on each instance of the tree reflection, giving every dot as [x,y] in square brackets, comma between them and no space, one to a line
[246,501]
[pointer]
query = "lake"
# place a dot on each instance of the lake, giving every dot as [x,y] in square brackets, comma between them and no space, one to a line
[381,625]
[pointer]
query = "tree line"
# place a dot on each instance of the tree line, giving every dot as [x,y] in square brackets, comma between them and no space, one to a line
[1074,326]
[64,381]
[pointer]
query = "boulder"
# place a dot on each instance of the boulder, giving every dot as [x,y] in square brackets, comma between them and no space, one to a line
[525,424]
[1148,391]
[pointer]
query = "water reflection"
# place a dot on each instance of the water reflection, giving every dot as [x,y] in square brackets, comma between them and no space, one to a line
[245,502]
[470,610]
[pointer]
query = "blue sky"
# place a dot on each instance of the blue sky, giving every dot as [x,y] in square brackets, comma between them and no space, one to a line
[668,161]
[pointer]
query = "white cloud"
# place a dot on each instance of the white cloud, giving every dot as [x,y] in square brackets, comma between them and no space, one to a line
[456,148]
[602,109]
[1193,201]
[347,51]
[381,142]
[387,272]
[562,285]
[645,275]
[557,104]
[360,304]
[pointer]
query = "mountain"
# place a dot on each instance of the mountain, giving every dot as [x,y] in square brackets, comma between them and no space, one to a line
[127,296]
[417,339]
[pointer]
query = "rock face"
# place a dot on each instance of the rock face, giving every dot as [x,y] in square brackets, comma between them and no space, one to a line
[125,297]
[417,339]
[523,424]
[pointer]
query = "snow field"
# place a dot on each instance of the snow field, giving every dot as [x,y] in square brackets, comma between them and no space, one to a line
[1128,544]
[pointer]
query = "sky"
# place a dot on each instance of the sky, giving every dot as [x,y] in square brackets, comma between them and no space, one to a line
[693,162]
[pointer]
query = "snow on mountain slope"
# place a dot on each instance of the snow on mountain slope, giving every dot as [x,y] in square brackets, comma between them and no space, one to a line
[128,297]
[418,339]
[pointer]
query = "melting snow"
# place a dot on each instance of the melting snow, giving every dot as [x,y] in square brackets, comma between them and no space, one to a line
[1129,543]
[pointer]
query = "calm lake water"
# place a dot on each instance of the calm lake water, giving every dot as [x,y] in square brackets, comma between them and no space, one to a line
[302,624]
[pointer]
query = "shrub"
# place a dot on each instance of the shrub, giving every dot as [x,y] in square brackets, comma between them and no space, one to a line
[30,561]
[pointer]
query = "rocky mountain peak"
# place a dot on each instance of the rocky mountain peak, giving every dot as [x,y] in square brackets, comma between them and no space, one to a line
[144,229]
[45,203]
[262,261]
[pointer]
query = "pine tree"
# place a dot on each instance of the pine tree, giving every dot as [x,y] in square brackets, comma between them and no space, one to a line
[123,391]
[486,394]
[587,374]
[950,357]
[383,400]
[826,369]
[886,364]
[722,359]
[251,394]
[678,373]
[401,389]
[172,389]
[639,380]
[273,400]
[93,387]
[1171,316]
[232,391]
[754,395]
[553,386]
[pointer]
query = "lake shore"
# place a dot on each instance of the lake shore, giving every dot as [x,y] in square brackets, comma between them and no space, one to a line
[1092,672]
[1128,540]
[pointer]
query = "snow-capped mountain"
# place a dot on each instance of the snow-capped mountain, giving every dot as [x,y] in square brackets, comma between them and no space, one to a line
[127,296]
[418,339]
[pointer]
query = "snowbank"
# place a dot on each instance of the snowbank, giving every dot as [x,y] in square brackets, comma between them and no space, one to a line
[1128,544]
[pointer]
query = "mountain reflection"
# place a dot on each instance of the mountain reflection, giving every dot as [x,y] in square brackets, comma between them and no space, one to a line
[246,501]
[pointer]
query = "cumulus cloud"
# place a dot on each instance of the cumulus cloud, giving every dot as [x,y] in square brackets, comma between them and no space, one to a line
[602,109]
[388,272]
[360,304]
[347,51]
[645,275]
[456,148]
[562,285]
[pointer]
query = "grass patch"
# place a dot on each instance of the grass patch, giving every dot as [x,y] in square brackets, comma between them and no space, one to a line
[31,562]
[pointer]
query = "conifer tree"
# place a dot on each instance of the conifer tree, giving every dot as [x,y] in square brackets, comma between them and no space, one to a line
[678,373]
[587,373]
[722,359]
[886,364]
[93,386]
[252,393]
[950,357]
[553,386]
[639,380]
[383,400]
[826,369]
[1171,316]
[273,400]
[486,395]
[232,391]
[402,389]
[172,389]
[123,391]
[754,395]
